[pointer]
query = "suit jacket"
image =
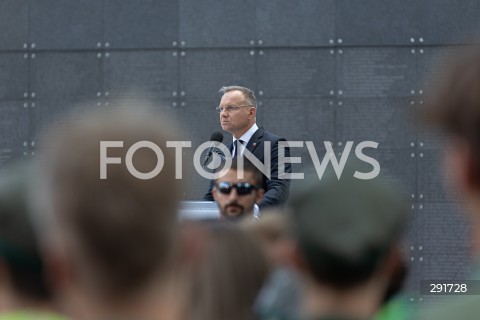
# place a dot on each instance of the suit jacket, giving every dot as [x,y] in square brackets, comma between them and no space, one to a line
[276,189]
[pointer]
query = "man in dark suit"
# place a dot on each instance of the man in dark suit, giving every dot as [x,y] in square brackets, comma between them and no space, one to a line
[238,110]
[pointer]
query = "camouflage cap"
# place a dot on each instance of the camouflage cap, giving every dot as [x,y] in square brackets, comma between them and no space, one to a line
[345,223]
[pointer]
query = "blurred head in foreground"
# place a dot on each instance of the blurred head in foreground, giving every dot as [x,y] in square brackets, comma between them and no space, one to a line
[223,270]
[280,295]
[455,109]
[347,233]
[22,283]
[271,230]
[236,194]
[109,237]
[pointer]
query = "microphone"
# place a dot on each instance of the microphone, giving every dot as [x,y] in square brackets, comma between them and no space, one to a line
[214,138]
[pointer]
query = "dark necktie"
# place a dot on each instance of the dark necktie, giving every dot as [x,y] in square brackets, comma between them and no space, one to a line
[236,147]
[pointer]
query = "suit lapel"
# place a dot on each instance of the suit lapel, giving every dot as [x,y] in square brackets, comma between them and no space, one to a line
[255,140]
[230,147]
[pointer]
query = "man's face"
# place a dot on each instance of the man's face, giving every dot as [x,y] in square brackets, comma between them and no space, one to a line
[233,205]
[237,122]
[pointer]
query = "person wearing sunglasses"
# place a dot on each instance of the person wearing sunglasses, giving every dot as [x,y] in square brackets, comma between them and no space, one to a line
[236,196]
[237,112]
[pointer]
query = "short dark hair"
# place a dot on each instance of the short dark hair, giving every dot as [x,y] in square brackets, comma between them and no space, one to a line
[247,94]
[248,166]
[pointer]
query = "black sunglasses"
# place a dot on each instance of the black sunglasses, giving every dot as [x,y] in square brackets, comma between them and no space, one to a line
[243,188]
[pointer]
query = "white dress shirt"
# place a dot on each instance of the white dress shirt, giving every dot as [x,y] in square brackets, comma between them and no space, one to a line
[245,138]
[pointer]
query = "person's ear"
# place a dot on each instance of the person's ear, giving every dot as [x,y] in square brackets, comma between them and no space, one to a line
[460,166]
[5,286]
[4,274]
[214,193]
[393,271]
[252,112]
[259,195]
[59,270]
[295,258]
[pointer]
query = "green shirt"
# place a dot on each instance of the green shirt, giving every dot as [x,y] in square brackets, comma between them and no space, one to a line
[31,315]
[396,309]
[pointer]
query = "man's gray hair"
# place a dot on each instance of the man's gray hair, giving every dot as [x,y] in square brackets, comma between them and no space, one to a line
[247,94]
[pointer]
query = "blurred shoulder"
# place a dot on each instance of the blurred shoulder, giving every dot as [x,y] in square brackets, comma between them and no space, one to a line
[463,308]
